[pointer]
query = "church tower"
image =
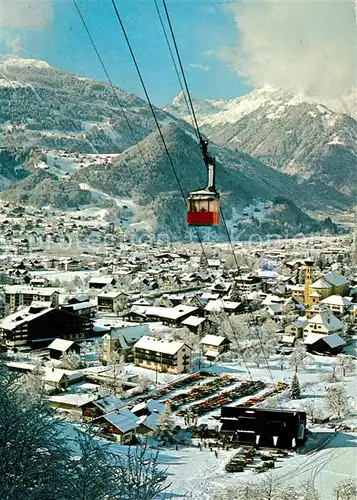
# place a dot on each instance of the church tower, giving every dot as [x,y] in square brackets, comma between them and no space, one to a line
[308,280]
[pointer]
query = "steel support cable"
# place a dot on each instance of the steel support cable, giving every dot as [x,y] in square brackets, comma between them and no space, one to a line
[222,215]
[136,142]
[164,142]
[223,218]
[181,66]
[249,308]
[175,66]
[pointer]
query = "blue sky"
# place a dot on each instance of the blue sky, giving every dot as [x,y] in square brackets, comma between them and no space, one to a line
[201,27]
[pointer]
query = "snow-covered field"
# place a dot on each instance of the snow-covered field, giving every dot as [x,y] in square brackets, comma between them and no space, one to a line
[199,474]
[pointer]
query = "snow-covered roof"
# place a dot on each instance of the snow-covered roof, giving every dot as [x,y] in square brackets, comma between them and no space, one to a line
[213,262]
[22,316]
[101,280]
[211,354]
[209,296]
[75,400]
[288,339]
[123,420]
[313,337]
[215,340]
[272,299]
[336,279]
[82,305]
[327,319]
[320,283]
[334,340]
[110,295]
[158,345]
[265,274]
[61,345]
[337,300]
[193,321]
[170,312]
[220,305]
[44,291]
[109,403]
[300,322]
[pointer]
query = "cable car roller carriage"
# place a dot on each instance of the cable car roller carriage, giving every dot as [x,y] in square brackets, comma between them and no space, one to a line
[203,206]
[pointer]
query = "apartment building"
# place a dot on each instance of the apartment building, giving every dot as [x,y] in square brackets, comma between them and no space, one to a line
[162,355]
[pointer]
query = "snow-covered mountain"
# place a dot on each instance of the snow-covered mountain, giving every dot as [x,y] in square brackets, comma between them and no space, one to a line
[290,132]
[64,143]
[203,107]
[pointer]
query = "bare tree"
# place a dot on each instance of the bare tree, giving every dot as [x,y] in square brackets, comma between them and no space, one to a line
[297,359]
[337,401]
[346,489]
[347,364]
[90,475]
[269,488]
[39,461]
[71,361]
[32,452]
[139,476]
[116,363]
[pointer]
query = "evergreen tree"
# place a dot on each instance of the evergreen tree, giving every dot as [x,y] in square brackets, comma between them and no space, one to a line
[295,392]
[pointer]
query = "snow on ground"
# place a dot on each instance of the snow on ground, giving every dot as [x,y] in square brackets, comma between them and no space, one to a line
[325,467]
[65,276]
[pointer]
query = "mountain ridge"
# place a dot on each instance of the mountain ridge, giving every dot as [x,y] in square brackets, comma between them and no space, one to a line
[64,143]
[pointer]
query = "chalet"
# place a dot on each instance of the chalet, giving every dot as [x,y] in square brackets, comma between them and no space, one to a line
[119,424]
[194,323]
[71,401]
[100,282]
[121,340]
[262,427]
[101,406]
[61,346]
[213,345]
[70,264]
[248,282]
[339,305]
[109,302]
[296,328]
[171,315]
[324,322]
[220,287]
[38,326]
[78,299]
[161,355]
[324,344]
[228,306]
[41,282]
[148,414]
[53,377]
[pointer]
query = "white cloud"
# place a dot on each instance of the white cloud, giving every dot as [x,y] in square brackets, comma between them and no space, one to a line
[30,14]
[201,67]
[15,44]
[296,44]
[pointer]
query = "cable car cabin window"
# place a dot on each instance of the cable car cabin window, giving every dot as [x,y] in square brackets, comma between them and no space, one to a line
[203,211]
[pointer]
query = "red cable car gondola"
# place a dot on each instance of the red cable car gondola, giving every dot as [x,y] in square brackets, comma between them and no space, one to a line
[203,206]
